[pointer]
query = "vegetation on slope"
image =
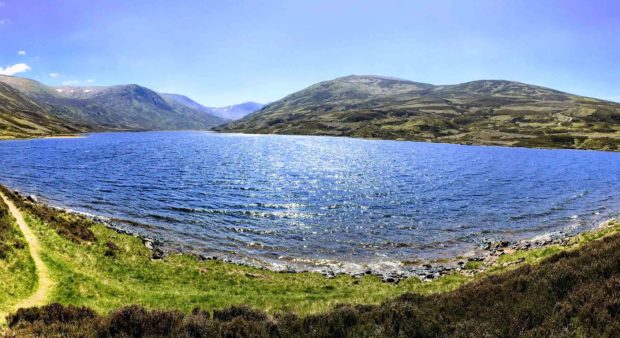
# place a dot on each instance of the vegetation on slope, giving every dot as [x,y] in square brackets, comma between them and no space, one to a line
[22,117]
[479,112]
[573,293]
[123,107]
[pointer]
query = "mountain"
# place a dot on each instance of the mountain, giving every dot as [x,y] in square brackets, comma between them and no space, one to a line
[184,100]
[233,112]
[493,112]
[122,107]
[237,111]
[21,116]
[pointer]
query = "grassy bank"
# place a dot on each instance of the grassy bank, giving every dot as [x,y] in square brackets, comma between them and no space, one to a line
[573,293]
[98,268]
[104,270]
[16,266]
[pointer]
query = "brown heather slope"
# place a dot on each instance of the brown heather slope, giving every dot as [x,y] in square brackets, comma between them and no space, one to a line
[480,112]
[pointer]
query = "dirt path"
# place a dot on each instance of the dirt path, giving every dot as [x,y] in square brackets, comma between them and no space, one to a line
[45,283]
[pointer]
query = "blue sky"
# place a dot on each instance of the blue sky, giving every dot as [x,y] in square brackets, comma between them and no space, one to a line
[225,52]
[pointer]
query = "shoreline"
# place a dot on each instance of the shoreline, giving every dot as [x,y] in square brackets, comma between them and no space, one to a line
[65,136]
[490,143]
[44,137]
[484,257]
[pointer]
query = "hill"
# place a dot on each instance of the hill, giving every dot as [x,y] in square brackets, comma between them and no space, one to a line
[21,117]
[490,112]
[122,107]
[173,99]
[233,112]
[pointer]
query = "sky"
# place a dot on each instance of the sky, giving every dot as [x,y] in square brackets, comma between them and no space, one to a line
[227,52]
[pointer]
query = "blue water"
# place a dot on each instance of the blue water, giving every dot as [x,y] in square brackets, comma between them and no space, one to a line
[279,198]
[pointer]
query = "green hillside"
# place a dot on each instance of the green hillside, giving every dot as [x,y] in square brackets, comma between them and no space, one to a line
[22,117]
[480,112]
[123,107]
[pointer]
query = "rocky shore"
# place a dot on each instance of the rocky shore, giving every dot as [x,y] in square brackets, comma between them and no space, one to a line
[479,260]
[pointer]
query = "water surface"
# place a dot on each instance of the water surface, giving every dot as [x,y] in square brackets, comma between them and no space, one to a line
[284,198]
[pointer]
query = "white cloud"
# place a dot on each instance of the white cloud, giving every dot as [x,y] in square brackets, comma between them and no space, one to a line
[90,81]
[21,52]
[14,69]
[54,74]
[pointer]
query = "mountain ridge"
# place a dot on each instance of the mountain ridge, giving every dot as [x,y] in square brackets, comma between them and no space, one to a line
[237,111]
[119,107]
[231,112]
[21,116]
[492,112]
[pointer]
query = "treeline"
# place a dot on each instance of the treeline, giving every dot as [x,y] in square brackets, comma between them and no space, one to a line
[574,293]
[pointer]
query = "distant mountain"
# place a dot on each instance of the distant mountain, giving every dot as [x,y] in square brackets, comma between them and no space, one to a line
[233,112]
[184,100]
[236,111]
[479,112]
[21,116]
[123,107]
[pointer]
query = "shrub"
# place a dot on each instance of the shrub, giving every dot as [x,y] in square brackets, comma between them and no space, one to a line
[111,249]
[243,312]
[73,227]
[5,230]
[53,313]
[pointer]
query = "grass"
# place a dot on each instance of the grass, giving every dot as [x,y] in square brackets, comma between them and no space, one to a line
[531,256]
[473,265]
[16,266]
[86,276]
[572,293]
[536,255]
